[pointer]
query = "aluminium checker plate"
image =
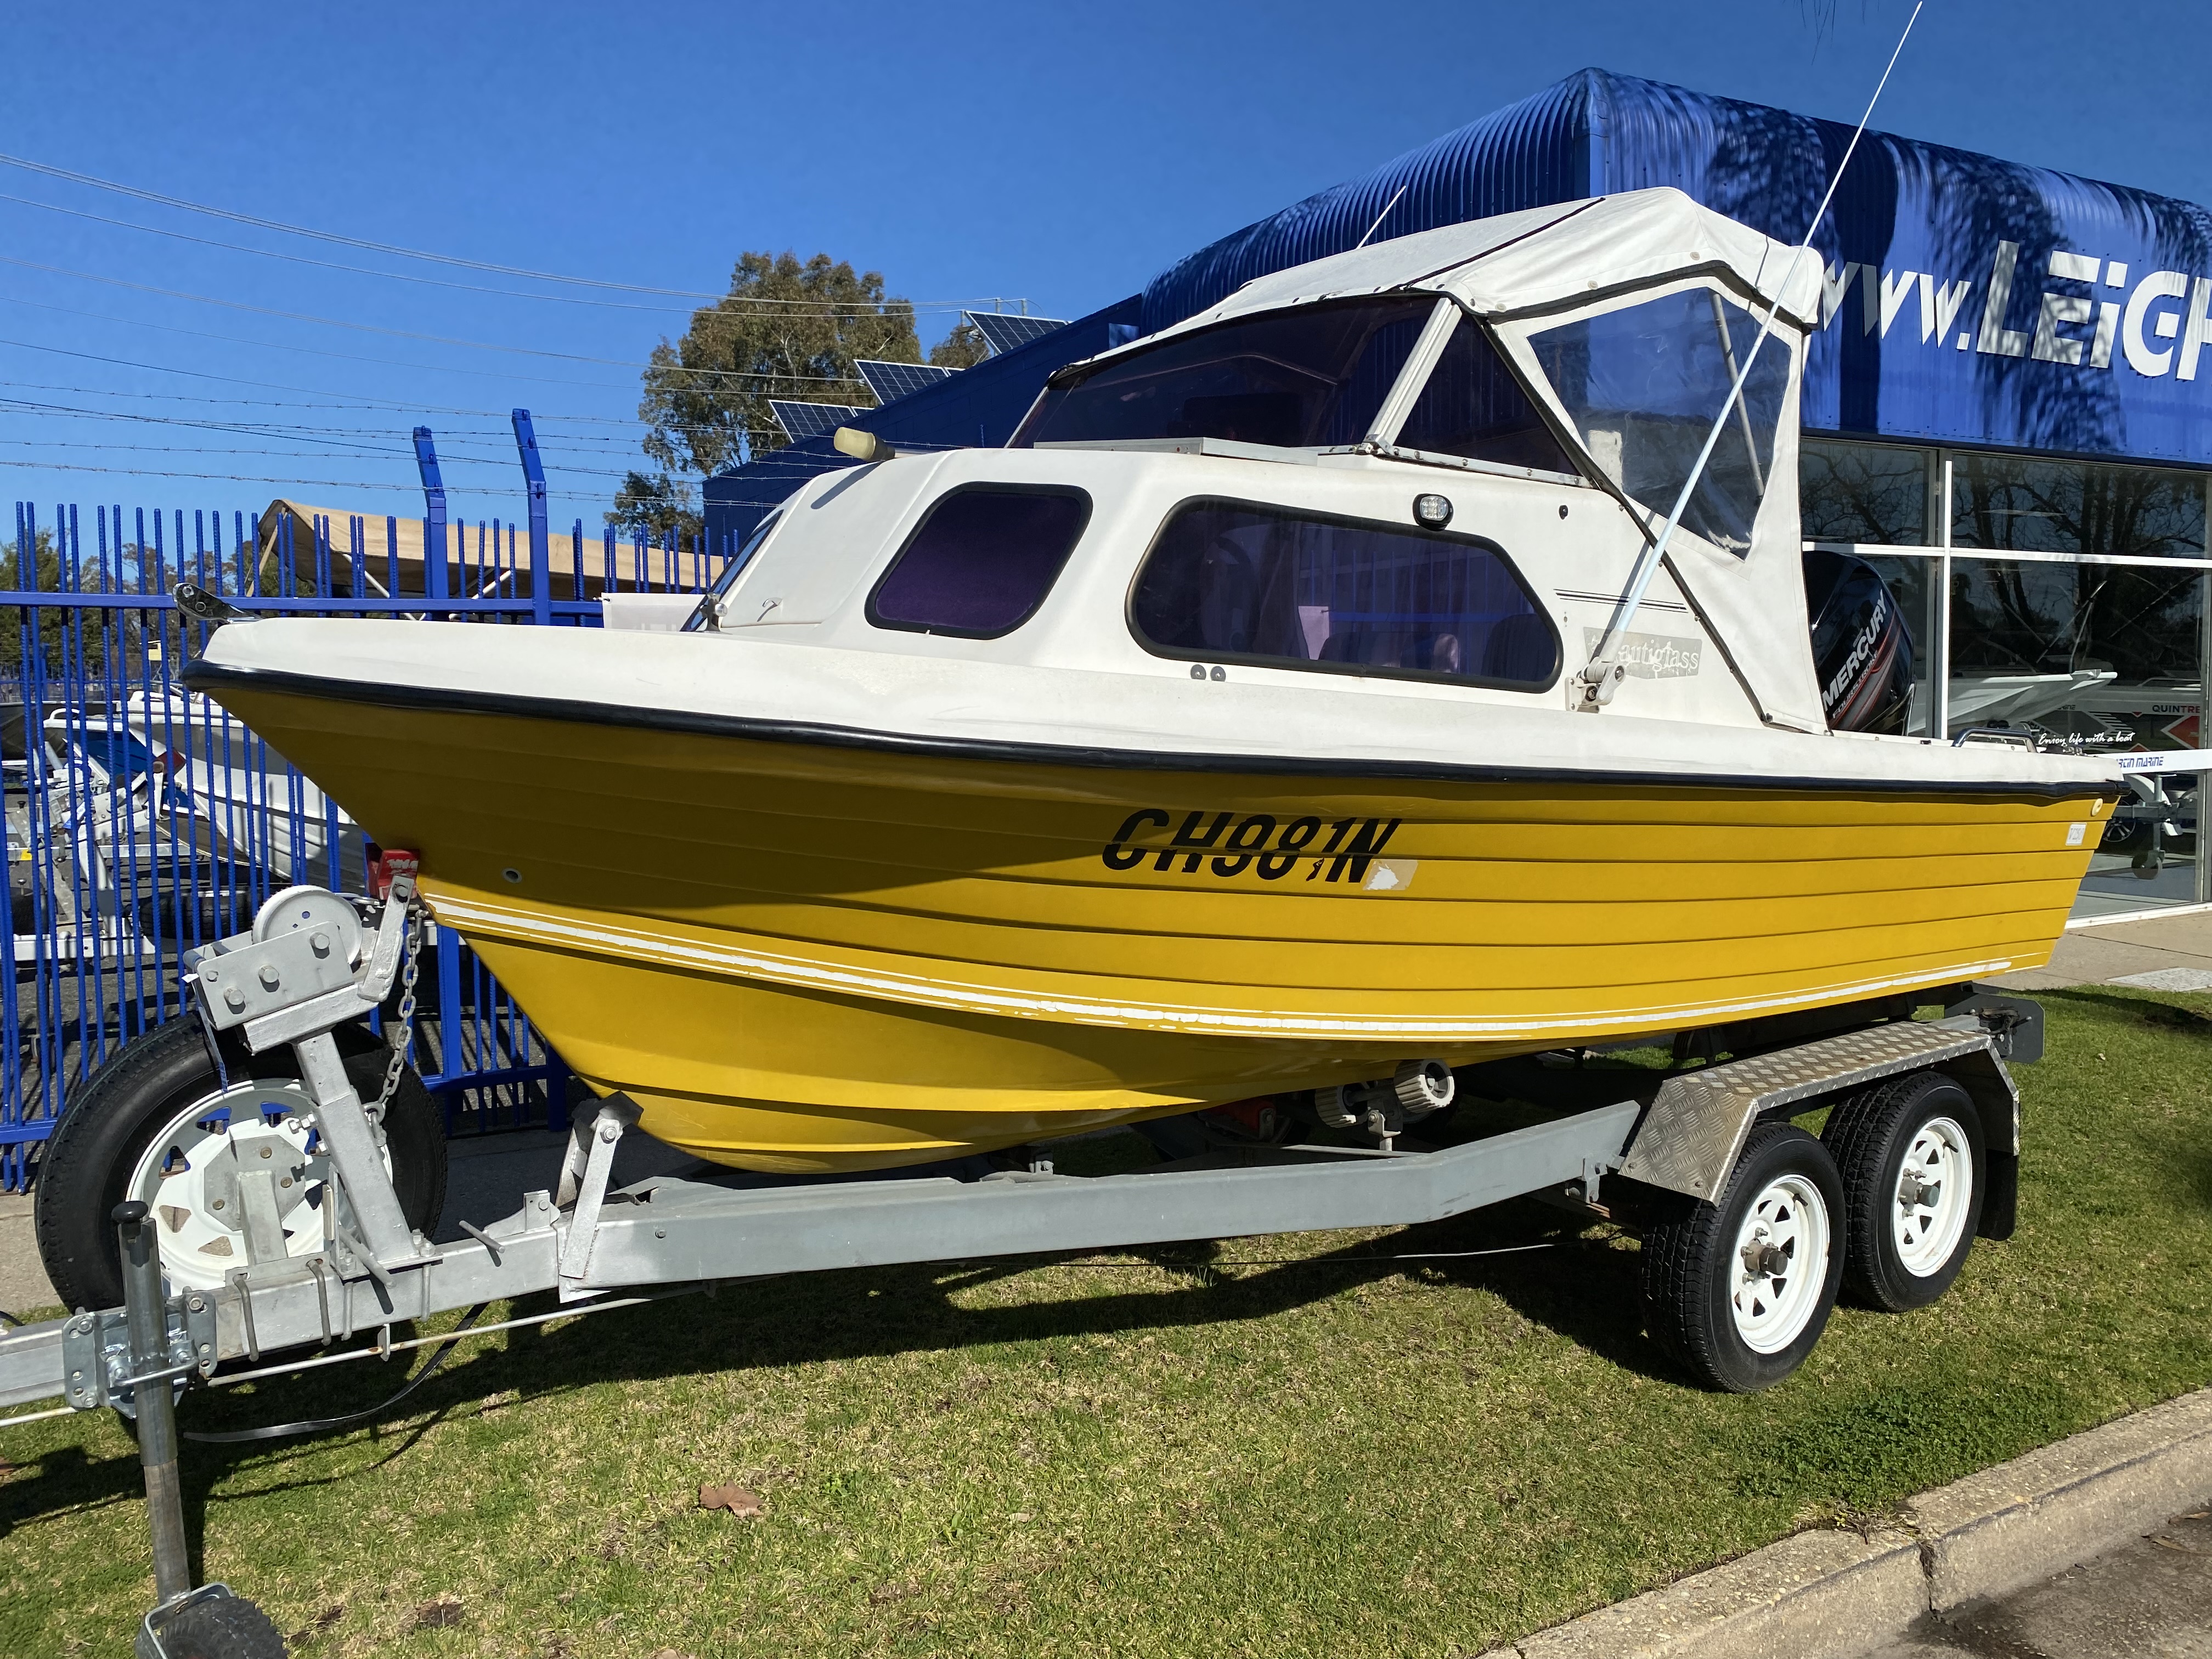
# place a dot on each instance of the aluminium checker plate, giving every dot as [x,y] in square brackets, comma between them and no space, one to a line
[1690,1140]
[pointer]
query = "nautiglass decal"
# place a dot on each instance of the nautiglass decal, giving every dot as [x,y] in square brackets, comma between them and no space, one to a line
[1208,842]
[1653,656]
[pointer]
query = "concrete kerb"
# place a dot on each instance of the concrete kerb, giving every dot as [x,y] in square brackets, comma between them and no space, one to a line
[2010,1526]
[1833,1595]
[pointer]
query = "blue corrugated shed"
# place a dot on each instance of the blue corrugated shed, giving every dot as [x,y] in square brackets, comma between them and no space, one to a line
[1917,249]
[1970,301]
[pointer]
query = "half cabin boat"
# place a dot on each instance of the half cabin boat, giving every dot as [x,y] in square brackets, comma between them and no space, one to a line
[1222,736]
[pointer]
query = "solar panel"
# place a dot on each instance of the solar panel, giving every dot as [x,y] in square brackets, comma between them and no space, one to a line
[1002,330]
[801,420]
[891,381]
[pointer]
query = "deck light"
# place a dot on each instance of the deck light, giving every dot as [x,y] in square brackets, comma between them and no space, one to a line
[1433,512]
[862,445]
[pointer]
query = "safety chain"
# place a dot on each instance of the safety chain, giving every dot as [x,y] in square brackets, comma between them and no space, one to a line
[401,1033]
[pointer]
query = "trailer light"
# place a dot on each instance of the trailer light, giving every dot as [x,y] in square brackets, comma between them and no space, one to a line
[1433,512]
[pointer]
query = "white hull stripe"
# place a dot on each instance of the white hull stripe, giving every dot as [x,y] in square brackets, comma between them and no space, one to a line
[674,951]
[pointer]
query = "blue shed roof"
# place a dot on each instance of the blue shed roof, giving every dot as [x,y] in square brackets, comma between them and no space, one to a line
[1970,301]
[1915,252]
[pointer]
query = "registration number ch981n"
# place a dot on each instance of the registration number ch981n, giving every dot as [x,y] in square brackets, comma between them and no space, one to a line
[1225,845]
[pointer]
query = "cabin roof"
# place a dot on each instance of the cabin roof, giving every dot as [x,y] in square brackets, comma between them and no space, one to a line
[1547,257]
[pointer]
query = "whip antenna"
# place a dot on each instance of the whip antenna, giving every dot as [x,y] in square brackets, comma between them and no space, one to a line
[1602,675]
[1381,216]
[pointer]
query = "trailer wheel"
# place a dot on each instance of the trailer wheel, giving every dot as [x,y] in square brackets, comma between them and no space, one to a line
[154,1087]
[222,1628]
[1738,1292]
[1916,1172]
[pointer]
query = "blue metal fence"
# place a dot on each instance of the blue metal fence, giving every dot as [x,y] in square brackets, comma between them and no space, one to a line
[140,819]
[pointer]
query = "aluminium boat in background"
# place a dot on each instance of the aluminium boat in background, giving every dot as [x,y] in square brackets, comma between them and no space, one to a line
[1222,736]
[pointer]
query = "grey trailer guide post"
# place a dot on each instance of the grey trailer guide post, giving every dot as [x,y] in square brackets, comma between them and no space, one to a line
[313,960]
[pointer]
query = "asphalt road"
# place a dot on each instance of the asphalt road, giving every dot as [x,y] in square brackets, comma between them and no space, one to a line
[2150,1599]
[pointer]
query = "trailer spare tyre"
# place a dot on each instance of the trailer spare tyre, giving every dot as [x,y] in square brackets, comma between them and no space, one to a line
[1738,1291]
[220,1152]
[1915,1167]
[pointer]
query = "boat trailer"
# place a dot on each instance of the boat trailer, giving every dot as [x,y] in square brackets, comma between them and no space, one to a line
[315,960]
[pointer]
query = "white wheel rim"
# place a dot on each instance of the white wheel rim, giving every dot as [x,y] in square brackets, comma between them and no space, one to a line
[1780,1267]
[204,1237]
[1934,1186]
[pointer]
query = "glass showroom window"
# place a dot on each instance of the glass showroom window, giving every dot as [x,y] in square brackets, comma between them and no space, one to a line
[1874,494]
[2030,506]
[2102,657]
[1884,495]
[1642,385]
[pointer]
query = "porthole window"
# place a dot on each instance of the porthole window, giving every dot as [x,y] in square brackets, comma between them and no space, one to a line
[1235,580]
[981,561]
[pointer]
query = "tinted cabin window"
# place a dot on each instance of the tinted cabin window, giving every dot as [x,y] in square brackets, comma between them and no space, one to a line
[1232,580]
[1642,386]
[1313,377]
[981,562]
[1473,407]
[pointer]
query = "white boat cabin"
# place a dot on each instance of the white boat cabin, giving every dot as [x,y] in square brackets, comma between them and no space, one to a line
[1425,468]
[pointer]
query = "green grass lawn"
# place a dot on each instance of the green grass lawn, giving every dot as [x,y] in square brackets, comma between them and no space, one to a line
[1326,1455]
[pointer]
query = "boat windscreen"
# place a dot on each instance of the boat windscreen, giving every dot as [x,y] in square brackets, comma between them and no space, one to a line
[708,611]
[1474,408]
[1307,378]
[1642,386]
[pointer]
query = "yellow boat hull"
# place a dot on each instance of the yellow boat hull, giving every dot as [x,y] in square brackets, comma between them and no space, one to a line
[815,956]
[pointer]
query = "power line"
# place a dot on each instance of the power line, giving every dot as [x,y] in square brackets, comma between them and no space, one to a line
[402,333]
[280,455]
[813,307]
[332,265]
[360,403]
[266,345]
[241,477]
[352,357]
[363,243]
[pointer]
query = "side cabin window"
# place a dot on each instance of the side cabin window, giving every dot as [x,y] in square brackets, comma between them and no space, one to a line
[1233,580]
[1473,407]
[1642,386]
[981,561]
[1311,377]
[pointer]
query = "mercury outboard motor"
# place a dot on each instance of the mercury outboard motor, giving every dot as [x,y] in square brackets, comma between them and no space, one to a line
[1862,649]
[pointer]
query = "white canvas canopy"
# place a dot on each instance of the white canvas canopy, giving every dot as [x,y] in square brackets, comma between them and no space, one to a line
[1533,273]
[1518,263]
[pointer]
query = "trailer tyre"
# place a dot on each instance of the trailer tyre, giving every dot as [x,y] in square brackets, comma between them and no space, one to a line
[222,1628]
[112,1118]
[1915,1173]
[1738,1292]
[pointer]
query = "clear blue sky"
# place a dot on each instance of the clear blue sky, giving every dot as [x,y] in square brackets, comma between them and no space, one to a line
[1061,156]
